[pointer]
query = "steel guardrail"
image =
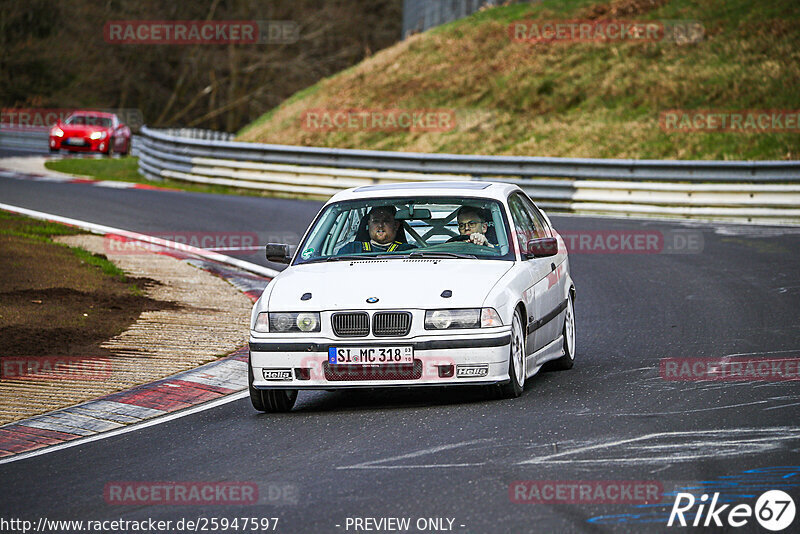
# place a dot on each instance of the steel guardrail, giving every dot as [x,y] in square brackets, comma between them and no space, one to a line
[759,191]
[523,166]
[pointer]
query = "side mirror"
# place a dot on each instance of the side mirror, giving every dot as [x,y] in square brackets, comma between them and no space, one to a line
[278,253]
[543,247]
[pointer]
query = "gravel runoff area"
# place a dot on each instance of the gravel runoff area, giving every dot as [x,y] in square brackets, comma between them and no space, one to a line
[208,319]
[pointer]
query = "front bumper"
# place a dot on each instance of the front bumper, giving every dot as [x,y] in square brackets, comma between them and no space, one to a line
[87,145]
[438,361]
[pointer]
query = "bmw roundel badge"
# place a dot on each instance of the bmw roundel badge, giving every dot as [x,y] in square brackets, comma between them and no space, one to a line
[372,300]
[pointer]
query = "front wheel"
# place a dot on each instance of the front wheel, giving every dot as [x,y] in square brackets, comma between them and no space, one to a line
[271,400]
[516,361]
[566,361]
[110,151]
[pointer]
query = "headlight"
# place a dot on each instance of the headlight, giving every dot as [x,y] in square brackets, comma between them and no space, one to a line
[58,132]
[464,318]
[262,322]
[308,322]
[294,322]
[443,319]
[98,135]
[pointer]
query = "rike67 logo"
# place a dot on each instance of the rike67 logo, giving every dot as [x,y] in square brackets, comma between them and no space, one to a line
[774,510]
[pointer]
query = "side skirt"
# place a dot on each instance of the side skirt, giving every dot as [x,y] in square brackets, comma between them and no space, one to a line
[551,351]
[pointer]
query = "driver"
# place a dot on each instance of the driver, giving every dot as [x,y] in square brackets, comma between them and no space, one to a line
[472,223]
[383,228]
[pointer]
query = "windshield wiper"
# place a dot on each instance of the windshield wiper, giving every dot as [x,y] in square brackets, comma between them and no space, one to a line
[332,258]
[438,254]
[357,257]
[346,257]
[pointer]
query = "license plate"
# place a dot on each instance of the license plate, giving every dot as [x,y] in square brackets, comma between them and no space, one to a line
[75,141]
[370,355]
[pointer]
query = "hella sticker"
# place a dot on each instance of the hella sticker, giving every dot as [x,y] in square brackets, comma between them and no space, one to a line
[277,374]
[471,371]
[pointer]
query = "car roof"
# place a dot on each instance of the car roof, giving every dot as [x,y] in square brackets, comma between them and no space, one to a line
[476,189]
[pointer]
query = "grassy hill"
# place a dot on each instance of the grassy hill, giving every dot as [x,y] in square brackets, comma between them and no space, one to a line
[569,99]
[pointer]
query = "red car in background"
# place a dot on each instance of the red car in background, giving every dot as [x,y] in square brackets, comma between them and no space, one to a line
[91,131]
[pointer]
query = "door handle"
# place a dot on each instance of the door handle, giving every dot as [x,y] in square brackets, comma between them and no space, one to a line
[552,266]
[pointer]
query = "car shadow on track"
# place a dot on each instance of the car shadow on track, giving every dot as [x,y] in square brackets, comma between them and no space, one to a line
[393,398]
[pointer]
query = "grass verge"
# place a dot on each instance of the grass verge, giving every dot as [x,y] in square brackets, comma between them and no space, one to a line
[125,169]
[61,300]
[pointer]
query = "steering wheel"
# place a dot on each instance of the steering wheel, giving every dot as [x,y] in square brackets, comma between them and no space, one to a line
[458,238]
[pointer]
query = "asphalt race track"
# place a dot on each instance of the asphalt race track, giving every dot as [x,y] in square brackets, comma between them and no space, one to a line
[453,454]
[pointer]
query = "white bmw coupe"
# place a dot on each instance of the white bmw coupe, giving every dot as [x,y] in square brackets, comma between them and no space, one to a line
[418,284]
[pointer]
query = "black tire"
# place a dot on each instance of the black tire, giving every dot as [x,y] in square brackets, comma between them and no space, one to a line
[110,151]
[270,400]
[279,400]
[127,150]
[255,394]
[516,361]
[53,150]
[566,361]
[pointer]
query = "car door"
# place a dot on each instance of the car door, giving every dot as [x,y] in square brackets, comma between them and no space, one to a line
[538,269]
[549,292]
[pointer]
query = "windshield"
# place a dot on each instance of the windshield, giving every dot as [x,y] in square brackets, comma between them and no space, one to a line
[88,120]
[425,227]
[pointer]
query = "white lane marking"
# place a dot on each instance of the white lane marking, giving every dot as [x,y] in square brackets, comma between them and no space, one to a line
[237,249]
[740,445]
[763,352]
[781,406]
[690,411]
[372,463]
[130,428]
[424,466]
[102,229]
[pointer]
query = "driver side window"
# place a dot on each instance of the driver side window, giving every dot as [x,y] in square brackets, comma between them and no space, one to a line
[538,221]
[524,227]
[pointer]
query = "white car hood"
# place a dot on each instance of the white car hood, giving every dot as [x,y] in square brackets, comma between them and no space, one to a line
[397,284]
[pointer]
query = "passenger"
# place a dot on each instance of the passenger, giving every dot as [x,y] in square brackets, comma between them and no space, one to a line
[472,223]
[383,229]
